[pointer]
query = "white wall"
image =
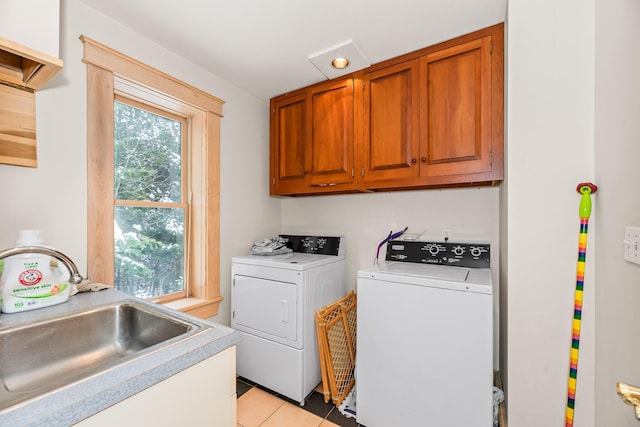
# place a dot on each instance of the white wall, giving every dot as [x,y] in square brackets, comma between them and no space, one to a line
[53,197]
[550,141]
[366,219]
[617,135]
[32,23]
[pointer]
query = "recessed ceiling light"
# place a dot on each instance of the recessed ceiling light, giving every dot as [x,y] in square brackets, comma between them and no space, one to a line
[340,63]
[328,61]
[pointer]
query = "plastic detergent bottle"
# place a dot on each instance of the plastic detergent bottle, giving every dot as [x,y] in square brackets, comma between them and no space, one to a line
[31,281]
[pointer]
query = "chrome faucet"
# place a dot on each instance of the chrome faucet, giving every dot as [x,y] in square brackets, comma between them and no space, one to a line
[75,277]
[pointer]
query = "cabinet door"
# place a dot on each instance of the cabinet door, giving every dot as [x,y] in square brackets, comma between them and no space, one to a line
[391,123]
[202,395]
[330,130]
[288,141]
[455,110]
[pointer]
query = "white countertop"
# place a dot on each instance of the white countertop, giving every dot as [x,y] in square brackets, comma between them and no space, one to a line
[87,397]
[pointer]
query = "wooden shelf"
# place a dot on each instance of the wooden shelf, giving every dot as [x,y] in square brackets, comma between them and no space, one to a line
[22,72]
[25,67]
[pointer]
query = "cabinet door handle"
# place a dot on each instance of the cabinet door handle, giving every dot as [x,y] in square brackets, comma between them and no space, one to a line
[413,160]
[424,159]
[324,185]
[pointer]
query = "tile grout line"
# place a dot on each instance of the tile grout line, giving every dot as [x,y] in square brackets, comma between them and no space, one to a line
[273,413]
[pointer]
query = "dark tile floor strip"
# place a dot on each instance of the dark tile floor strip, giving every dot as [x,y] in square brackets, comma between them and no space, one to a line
[242,387]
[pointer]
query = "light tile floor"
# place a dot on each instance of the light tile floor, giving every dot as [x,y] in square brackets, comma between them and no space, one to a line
[261,408]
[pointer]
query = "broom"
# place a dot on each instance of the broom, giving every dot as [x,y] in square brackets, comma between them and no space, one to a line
[586,189]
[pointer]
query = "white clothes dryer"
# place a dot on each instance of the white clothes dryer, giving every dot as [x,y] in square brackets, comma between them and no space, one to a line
[274,300]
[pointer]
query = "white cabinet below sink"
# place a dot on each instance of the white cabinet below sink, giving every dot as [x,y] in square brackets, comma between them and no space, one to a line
[202,395]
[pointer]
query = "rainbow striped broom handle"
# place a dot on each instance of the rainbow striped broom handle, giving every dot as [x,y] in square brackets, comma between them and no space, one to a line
[586,189]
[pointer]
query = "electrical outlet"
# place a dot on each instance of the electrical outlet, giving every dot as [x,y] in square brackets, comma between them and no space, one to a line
[446,234]
[632,244]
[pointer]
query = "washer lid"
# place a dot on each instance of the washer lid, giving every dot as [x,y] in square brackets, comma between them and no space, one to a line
[291,261]
[458,278]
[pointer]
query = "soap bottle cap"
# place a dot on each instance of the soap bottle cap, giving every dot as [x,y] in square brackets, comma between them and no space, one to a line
[29,238]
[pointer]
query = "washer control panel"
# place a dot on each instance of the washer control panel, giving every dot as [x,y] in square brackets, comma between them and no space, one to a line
[473,255]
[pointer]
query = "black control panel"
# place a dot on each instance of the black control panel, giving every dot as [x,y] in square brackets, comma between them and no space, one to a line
[473,255]
[320,245]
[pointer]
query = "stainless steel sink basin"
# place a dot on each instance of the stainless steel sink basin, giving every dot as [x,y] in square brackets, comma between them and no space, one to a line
[44,356]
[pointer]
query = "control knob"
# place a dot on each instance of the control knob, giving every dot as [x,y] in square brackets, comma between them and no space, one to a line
[458,250]
[476,251]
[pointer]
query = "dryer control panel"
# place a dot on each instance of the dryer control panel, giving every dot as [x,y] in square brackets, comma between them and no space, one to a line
[473,255]
[320,245]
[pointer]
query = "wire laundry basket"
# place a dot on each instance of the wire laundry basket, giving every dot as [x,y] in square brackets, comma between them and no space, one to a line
[336,330]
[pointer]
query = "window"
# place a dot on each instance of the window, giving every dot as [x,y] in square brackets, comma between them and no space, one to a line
[153,183]
[150,206]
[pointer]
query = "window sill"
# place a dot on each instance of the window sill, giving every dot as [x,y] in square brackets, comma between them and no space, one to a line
[196,306]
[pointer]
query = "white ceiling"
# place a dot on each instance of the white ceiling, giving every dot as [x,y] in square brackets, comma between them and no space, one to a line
[263,46]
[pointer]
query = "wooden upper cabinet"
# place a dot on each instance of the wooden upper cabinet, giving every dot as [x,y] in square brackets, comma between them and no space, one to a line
[330,130]
[312,139]
[288,144]
[432,118]
[455,110]
[391,123]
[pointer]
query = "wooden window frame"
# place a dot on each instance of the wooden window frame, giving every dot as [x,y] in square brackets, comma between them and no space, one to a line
[111,73]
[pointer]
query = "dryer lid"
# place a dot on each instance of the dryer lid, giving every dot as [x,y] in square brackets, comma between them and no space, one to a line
[290,261]
[456,278]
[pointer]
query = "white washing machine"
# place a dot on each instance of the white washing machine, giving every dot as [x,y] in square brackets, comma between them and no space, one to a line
[425,337]
[274,300]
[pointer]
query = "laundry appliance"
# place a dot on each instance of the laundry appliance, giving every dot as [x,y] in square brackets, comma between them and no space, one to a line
[425,337]
[274,300]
